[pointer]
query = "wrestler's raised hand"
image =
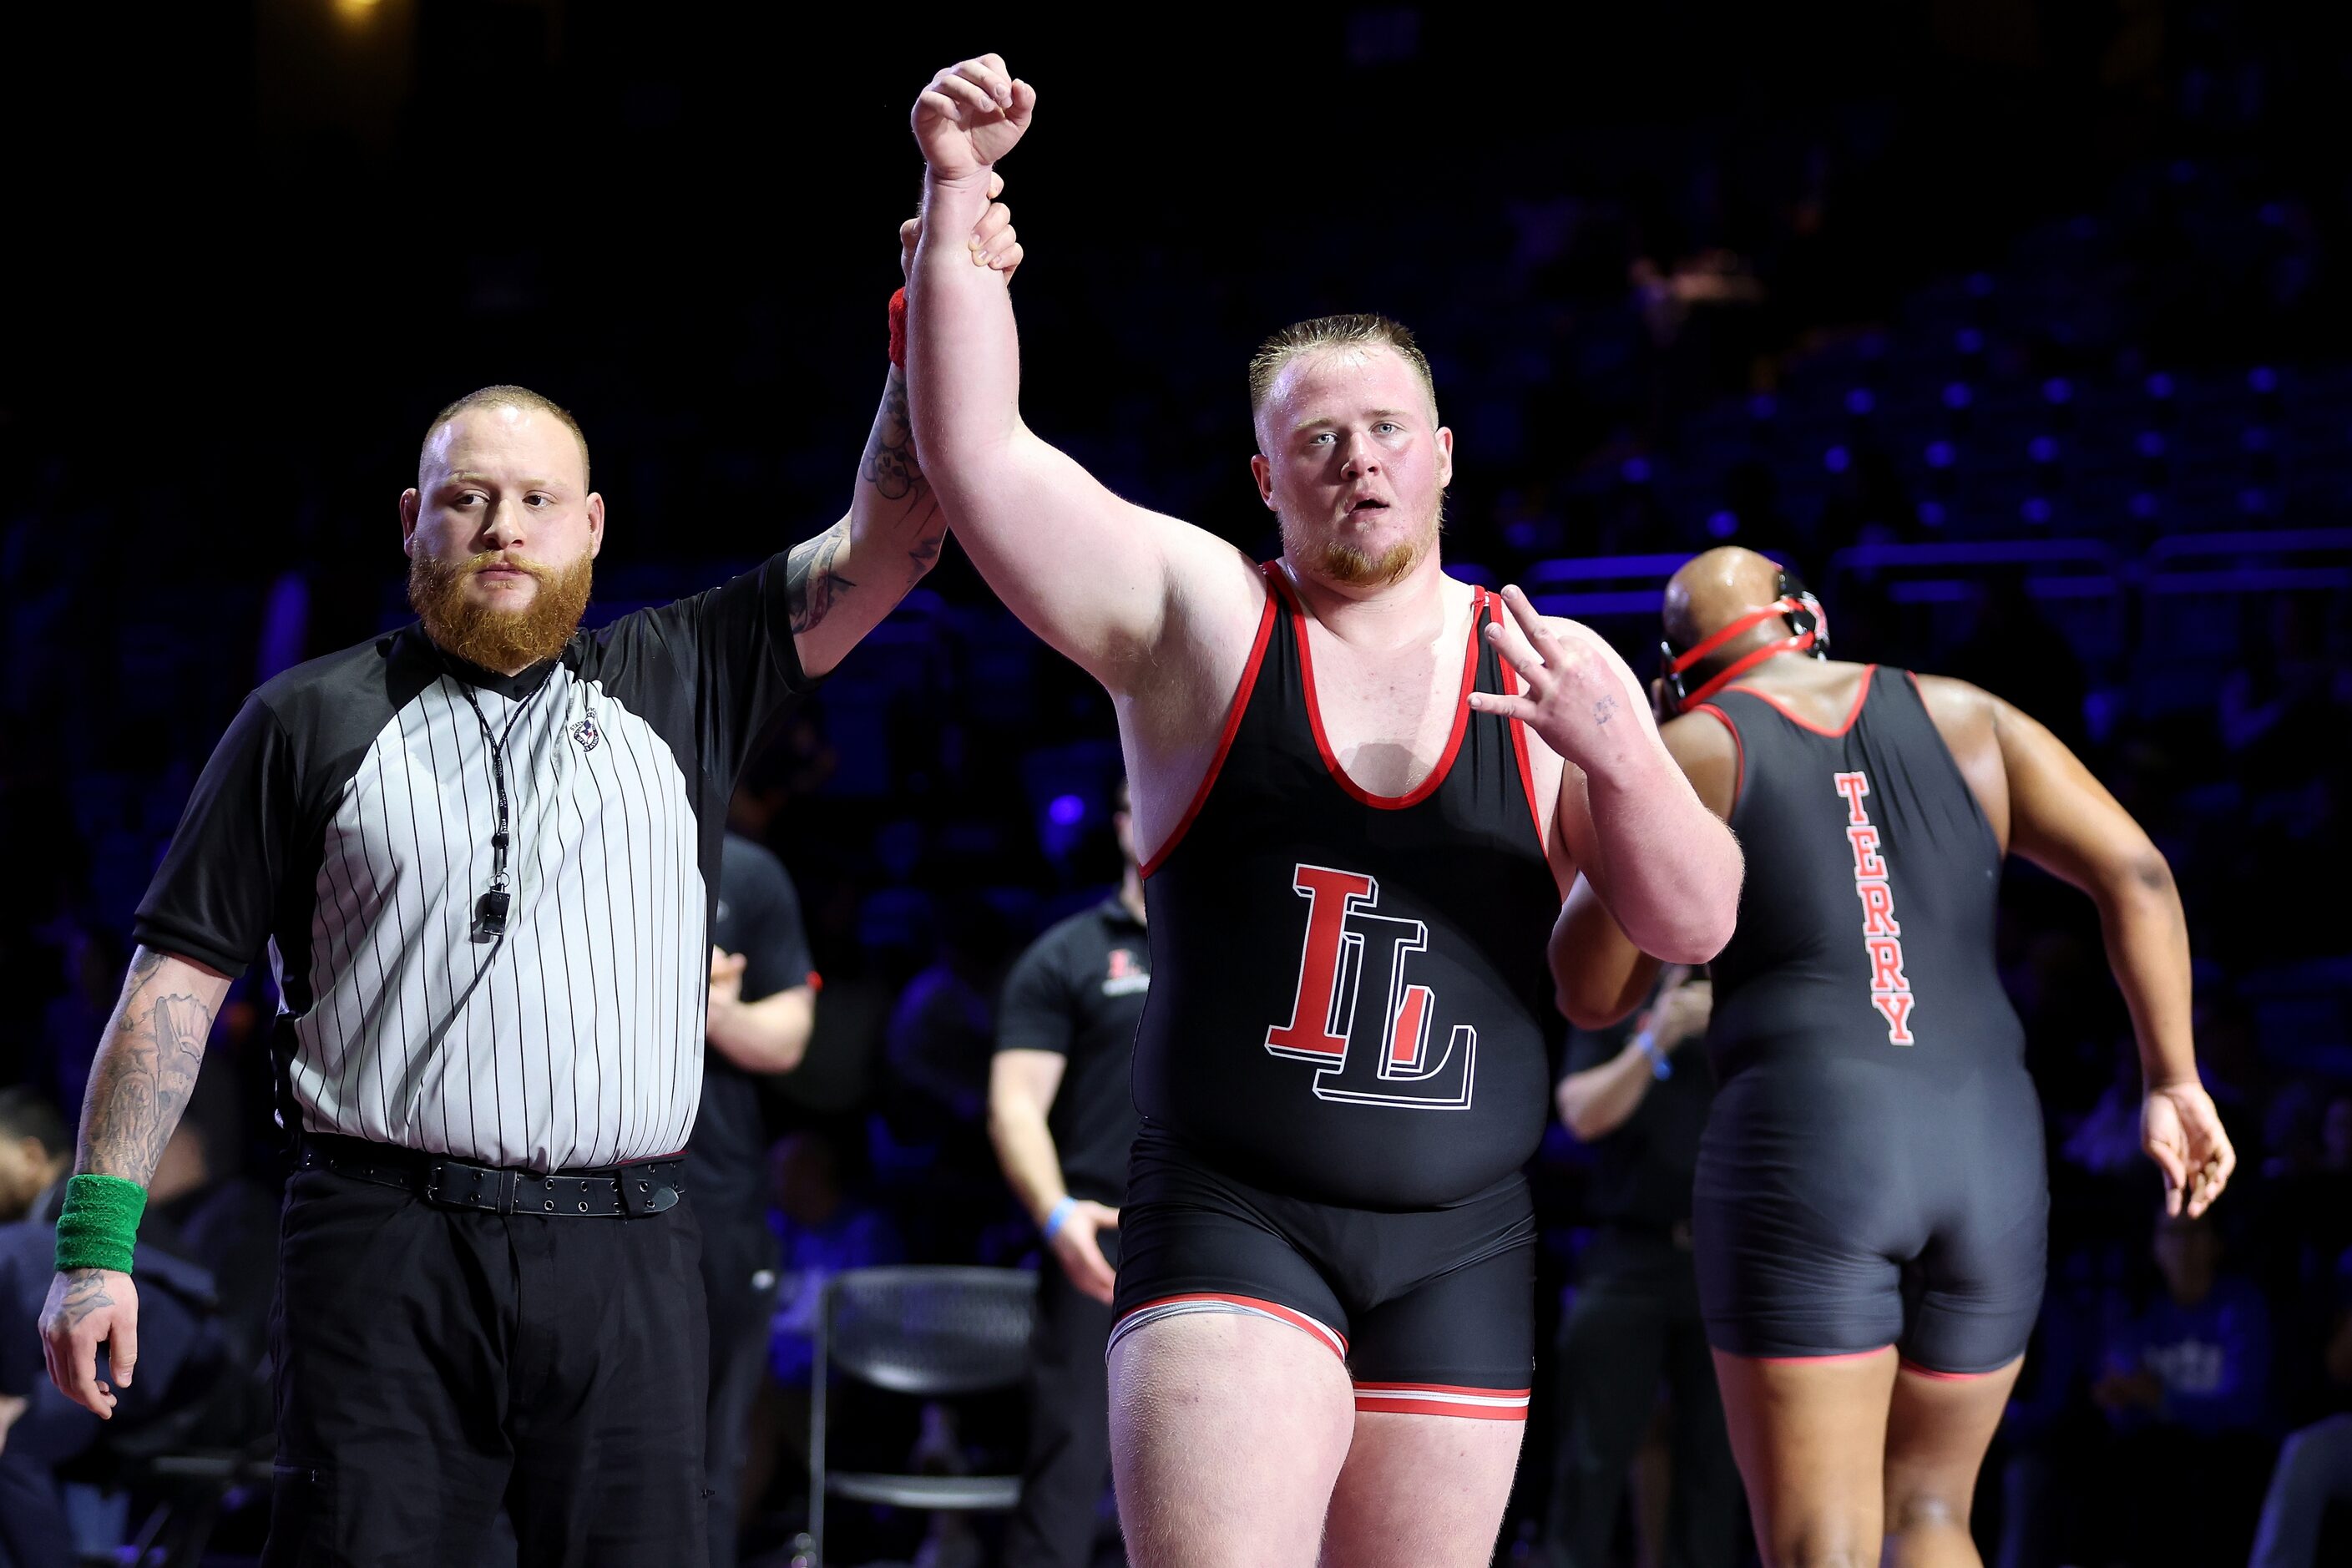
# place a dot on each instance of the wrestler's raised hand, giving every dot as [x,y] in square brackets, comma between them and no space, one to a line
[2183,1134]
[993,242]
[1575,692]
[970,115]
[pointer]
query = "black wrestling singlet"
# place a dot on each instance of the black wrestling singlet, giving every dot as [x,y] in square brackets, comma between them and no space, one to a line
[1349,994]
[1866,918]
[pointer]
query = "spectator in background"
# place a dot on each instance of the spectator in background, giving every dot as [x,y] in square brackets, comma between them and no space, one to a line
[1641,1102]
[2185,1388]
[2281,705]
[2315,1464]
[35,1150]
[1061,1111]
[762,1004]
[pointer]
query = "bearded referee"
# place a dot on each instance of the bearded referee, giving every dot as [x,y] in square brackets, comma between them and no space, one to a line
[481,852]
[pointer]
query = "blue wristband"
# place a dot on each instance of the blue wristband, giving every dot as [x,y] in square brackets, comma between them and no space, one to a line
[1647,1044]
[1059,1216]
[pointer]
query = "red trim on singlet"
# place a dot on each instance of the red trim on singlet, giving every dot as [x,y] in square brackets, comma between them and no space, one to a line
[1809,1359]
[1234,711]
[1793,716]
[1915,1370]
[1427,786]
[1738,779]
[1397,1399]
[1494,603]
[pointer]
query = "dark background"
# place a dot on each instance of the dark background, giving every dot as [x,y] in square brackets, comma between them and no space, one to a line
[1686,275]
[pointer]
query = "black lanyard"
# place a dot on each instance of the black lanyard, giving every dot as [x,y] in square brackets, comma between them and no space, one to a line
[490,910]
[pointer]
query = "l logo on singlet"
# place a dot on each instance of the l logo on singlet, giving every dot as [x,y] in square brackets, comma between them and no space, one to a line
[1377,1055]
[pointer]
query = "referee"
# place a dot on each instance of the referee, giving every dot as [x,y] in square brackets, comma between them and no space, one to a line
[481,852]
[1061,1112]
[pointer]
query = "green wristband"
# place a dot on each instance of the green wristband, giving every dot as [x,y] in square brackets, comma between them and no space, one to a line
[99,1223]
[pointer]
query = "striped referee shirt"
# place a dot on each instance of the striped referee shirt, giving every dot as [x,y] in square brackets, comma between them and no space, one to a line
[344,824]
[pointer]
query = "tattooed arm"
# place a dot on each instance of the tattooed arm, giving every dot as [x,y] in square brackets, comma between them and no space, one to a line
[146,1070]
[842,583]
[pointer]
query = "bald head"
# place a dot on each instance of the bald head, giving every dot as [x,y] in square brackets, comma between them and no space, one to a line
[1715,589]
[517,401]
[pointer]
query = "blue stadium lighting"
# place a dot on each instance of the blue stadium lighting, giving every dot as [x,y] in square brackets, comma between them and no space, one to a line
[1861,400]
[2058,389]
[1969,340]
[1722,524]
[2255,439]
[1931,513]
[1980,284]
[2159,385]
[1939,454]
[1066,810]
[1763,406]
[1837,459]
[2151,444]
[1636,471]
[2262,379]
[2253,500]
[2043,450]
[1957,395]
[2142,505]
[2035,510]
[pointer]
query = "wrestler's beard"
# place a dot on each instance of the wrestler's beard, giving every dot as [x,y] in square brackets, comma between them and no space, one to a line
[1336,561]
[493,637]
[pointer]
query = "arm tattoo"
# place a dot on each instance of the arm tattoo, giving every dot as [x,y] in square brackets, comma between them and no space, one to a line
[890,465]
[1604,710]
[85,1294]
[811,586]
[143,1078]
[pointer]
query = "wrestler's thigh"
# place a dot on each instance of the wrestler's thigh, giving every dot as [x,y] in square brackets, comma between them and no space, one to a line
[1810,1438]
[1422,1491]
[1227,1430]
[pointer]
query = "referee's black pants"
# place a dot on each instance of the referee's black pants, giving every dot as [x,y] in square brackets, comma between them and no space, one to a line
[739,1281]
[1634,1326]
[435,1365]
[1069,1465]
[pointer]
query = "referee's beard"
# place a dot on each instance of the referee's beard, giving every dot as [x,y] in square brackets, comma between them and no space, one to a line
[499,640]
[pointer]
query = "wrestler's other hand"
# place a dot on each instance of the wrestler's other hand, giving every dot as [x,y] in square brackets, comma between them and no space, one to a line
[970,115]
[2183,1134]
[993,244]
[1574,690]
[1078,1246]
[89,1307]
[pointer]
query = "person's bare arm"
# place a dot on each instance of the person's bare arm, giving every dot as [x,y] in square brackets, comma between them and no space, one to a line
[1106,583]
[768,1036]
[139,1086]
[842,583]
[1021,1089]
[2064,821]
[1598,1099]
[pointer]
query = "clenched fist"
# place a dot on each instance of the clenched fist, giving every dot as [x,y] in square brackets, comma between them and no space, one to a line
[970,115]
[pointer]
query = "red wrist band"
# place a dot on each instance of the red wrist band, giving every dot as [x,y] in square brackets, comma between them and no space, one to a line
[898,328]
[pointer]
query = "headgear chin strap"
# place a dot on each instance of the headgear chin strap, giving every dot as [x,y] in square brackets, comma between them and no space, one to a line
[1809,632]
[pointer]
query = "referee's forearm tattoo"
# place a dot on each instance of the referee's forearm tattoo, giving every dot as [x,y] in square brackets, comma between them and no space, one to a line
[811,586]
[143,1075]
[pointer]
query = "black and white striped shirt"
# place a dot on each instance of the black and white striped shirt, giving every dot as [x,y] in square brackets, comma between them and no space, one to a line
[345,821]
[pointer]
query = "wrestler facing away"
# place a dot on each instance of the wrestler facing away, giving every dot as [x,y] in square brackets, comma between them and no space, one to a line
[1870,1205]
[1358,788]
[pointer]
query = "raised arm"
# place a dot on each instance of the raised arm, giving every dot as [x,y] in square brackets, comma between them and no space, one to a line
[2064,821]
[843,582]
[138,1084]
[1104,581]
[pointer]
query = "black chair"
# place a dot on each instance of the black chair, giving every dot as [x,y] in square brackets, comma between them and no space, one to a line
[932,1332]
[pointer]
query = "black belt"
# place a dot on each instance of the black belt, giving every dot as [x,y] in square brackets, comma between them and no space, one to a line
[647,1187]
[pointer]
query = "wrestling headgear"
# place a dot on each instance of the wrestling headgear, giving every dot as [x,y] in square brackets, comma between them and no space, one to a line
[1809,632]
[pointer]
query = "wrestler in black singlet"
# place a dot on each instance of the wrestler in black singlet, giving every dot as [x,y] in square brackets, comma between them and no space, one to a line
[1873,1172]
[1342,1065]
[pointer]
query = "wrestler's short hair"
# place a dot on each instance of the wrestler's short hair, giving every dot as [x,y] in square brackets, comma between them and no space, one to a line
[1361,330]
[503,396]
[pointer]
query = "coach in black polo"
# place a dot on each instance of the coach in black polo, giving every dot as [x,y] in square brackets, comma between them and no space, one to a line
[1061,1111]
[481,853]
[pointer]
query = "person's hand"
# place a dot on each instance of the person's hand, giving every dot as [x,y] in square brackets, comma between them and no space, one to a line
[1078,1246]
[1575,692]
[2183,1133]
[725,979]
[1682,1014]
[970,115]
[993,242]
[89,1307]
[11,1406]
